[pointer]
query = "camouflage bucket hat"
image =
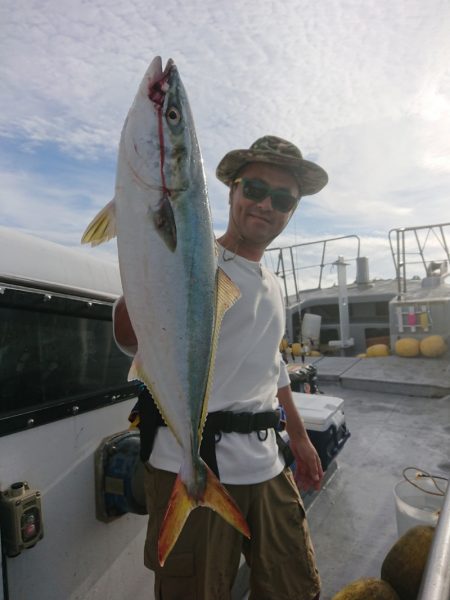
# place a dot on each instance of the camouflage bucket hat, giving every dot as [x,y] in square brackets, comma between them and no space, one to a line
[275,151]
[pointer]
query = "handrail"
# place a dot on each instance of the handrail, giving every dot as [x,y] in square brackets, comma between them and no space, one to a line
[399,253]
[436,578]
[286,264]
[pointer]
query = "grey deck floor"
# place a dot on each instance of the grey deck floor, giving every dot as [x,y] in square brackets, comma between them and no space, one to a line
[352,520]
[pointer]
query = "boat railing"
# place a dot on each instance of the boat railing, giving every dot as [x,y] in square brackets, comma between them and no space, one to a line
[436,578]
[287,263]
[412,246]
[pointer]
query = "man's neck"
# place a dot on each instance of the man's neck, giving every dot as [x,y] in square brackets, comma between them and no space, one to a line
[242,247]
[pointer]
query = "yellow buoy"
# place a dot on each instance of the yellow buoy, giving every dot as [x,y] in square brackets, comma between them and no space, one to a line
[433,345]
[368,588]
[283,344]
[407,347]
[405,562]
[377,350]
[296,349]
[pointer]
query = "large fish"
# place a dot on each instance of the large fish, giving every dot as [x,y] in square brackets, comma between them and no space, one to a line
[175,294]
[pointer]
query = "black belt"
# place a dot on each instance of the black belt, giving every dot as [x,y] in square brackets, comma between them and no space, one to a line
[216,423]
[245,422]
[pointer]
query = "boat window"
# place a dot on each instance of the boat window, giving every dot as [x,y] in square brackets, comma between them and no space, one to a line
[326,335]
[328,312]
[57,357]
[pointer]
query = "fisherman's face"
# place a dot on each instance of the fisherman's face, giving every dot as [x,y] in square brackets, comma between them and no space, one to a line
[260,222]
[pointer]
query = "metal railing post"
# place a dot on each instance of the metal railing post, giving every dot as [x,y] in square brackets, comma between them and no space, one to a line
[436,578]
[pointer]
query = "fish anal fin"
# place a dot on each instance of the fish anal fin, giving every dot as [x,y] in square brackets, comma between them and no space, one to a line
[102,227]
[138,373]
[180,505]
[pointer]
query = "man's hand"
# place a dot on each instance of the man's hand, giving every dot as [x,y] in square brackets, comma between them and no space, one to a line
[308,471]
[123,329]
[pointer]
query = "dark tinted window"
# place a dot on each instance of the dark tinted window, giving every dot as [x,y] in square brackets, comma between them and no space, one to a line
[55,349]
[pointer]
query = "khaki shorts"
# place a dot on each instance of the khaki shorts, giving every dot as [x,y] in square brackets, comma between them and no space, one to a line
[204,561]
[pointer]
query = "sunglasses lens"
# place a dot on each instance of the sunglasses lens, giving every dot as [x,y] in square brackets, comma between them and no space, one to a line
[257,190]
[254,189]
[283,201]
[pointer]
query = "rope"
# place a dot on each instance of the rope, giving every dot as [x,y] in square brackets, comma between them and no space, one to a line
[424,475]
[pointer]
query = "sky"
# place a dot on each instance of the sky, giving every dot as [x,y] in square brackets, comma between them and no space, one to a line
[361,86]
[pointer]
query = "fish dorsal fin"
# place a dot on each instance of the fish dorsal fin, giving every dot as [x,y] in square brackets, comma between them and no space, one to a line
[137,372]
[102,227]
[227,293]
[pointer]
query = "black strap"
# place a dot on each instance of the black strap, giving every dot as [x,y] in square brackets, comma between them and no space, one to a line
[150,419]
[216,423]
[227,422]
[285,450]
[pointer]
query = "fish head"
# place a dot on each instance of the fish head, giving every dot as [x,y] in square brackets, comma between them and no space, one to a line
[183,165]
[159,148]
[159,144]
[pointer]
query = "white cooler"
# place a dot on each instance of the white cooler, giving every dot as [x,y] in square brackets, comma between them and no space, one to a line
[324,421]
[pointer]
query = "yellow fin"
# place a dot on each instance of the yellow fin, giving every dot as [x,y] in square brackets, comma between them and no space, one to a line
[180,505]
[227,293]
[218,499]
[102,227]
[215,496]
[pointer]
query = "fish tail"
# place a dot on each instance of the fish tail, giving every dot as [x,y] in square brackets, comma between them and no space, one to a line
[181,503]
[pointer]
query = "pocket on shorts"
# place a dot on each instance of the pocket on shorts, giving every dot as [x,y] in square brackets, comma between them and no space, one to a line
[158,487]
[176,565]
[291,481]
[308,554]
[176,580]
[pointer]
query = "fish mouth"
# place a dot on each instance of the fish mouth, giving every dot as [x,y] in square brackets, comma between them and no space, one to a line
[158,80]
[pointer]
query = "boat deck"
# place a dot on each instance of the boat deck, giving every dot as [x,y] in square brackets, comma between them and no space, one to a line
[429,377]
[396,420]
[352,520]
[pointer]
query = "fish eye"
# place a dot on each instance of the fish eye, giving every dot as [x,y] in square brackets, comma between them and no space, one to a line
[173,115]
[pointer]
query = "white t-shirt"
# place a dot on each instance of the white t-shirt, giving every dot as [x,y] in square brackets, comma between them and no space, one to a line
[248,371]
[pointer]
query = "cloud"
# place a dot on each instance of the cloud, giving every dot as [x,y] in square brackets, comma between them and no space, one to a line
[364,89]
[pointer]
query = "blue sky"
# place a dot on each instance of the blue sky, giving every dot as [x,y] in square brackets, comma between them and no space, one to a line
[363,88]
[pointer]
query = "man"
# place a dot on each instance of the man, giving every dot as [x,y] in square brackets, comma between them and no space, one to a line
[266,183]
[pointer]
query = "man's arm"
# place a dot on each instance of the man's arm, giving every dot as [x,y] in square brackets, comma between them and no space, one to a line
[123,329]
[308,471]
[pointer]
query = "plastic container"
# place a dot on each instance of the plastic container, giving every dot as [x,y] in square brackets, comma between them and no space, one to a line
[311,329]
[417,506]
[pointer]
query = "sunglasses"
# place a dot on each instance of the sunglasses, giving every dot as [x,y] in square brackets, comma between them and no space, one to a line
[257,190]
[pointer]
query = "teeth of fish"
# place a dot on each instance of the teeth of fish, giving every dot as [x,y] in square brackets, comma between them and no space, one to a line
[175,294]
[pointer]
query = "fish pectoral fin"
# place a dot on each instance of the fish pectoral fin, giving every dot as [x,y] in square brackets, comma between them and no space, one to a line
[214,496]
[180,505]
[102,227]
[218,499]
[164,222]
